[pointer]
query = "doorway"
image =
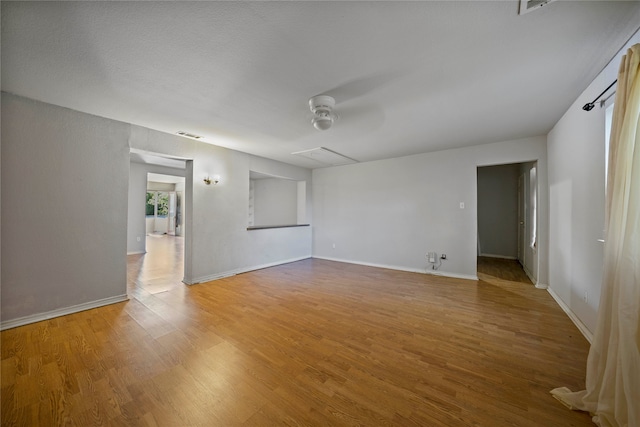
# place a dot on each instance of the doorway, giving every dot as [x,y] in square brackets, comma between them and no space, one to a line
[157,211]
[507,221]
[164,225]
[164,204]
[159,208]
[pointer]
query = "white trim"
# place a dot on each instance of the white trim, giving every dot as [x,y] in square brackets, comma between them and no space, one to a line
[370,264]
[399,268]
[230,273]
[541,285]
[136,252]
[499,256]
[209,278]
[14,323]
[153,153]
[576,321]
[530,276]
[452,275]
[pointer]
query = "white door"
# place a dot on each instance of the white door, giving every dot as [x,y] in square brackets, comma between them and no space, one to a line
[522,241]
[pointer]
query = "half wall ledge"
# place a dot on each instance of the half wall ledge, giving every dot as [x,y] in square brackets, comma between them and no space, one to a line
[264,227]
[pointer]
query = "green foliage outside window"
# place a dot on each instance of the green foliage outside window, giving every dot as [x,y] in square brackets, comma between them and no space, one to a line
[163,204]
[162,199]
[151,202]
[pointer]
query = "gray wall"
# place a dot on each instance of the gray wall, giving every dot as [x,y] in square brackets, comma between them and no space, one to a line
[498,210]
[395,221]
[71,169]
[218,242]
[275,202]
[64,207]
[576,197]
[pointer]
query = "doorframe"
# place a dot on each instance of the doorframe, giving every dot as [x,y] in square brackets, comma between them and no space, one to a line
[155,208]
[160,160]
[536,253]
[522,224]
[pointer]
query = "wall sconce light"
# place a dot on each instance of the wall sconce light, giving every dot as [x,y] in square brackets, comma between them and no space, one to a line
[209,179]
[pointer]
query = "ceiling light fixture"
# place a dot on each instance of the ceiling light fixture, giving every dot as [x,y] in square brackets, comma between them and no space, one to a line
[322,108]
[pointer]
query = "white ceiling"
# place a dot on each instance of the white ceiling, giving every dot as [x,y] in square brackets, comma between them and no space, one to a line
[408,77]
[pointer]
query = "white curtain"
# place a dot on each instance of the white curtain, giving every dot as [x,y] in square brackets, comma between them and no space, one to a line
[612,392]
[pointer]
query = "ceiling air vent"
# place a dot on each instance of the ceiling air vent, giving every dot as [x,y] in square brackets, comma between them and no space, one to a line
[326,157]
[189,135]
[527,6]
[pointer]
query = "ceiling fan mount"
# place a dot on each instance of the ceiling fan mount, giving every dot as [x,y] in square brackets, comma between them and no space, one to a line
[322,108]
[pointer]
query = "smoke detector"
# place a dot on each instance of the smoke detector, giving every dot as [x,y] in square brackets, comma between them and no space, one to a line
[322,108]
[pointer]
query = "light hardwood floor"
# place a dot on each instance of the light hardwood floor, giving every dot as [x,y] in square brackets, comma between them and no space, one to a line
[309,343]
[493,269]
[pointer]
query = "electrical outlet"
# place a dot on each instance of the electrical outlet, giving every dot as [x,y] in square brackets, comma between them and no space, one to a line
[431,257]
[586,296]
[334,246]
[138,238]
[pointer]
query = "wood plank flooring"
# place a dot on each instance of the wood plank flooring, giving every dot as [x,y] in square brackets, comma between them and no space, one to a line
[312,343]
[492,269]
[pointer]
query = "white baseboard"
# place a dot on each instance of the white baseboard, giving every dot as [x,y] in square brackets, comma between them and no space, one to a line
[230,273]
[452,275]
[371,264]
[581,326]
[498,256]
[209,278]
[533,279]
[14,323]
[400,268]
[136,252]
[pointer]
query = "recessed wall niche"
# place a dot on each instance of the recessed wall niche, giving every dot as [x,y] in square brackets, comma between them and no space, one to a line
[276,201]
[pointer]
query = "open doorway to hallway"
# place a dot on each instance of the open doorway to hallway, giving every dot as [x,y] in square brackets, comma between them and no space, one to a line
[162,266]
[164,204]
[507,222]
[159,219]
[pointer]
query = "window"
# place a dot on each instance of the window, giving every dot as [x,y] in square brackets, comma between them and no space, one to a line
[151,204]
[157,204]
[607,135]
